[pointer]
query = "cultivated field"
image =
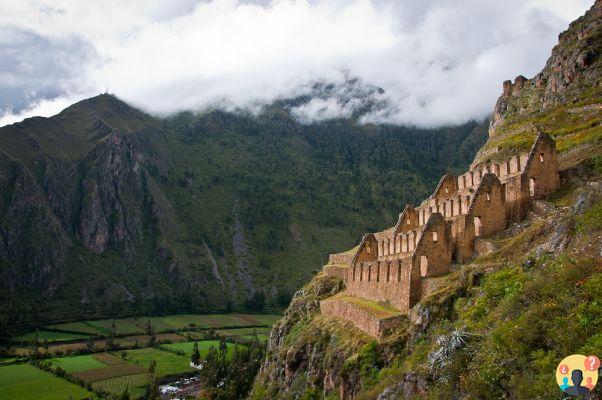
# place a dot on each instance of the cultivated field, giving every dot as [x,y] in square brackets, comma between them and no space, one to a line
[26,382]
[129,326]
[167,363]
[204,346]
[126,367]
[50,336]
[135,384]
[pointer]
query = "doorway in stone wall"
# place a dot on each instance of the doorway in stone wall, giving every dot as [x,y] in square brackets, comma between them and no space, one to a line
[477,226]
[424,264]
[532,187]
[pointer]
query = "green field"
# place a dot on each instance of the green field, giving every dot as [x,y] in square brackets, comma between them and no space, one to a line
[135,384]
[77,363]
[128,326]
[244,331]
[25,382]
[50,336]
[262,337]
[79,327]
[167,363]
[204,346]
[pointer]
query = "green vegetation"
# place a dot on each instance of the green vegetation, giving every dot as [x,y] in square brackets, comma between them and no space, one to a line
[167,363]
[49,336]
[378,309]
[290,192]
[170,323]
[135,384]
[204,346]
[77,363]
[26,382]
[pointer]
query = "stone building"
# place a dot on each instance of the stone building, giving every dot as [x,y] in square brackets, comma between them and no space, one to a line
[392,268]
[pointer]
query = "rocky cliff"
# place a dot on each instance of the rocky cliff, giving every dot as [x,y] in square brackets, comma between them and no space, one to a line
[562,100]
[496,326]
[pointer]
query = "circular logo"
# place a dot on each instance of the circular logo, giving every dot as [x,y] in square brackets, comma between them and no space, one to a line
[577,375]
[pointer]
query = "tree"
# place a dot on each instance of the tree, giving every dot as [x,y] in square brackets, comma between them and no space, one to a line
[196,356]
[90,345]
[152,339]
[152,390]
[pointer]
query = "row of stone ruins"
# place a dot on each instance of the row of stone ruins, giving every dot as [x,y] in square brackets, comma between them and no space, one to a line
[394,266]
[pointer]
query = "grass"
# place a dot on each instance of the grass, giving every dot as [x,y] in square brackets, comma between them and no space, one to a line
[129,326]
[25,382]
[50,336]
[77,363]
[135,384]
[108,372]
[204,346]
[571,126]
[244,331]
[78,327]
[167,363]
[379,310]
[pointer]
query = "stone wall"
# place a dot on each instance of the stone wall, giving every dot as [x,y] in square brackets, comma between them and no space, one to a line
[360,318]
[382,281]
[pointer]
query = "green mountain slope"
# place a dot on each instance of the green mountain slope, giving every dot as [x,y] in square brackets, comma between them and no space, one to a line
[498,325]
[108,211]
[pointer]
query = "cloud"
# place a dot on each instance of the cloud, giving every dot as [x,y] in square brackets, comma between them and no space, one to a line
[439,62]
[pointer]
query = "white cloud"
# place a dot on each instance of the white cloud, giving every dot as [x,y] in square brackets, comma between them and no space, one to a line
[440,62]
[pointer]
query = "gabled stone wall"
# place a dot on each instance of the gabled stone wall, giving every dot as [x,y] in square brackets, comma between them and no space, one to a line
[393,266]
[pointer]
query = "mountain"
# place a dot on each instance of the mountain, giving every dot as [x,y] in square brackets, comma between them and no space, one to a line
[498,325]
[108,211]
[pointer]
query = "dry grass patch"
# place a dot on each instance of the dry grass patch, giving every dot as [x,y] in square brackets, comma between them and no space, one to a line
[108,359]
[99,374]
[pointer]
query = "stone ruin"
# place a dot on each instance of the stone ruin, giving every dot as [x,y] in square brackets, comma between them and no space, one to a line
[390,271]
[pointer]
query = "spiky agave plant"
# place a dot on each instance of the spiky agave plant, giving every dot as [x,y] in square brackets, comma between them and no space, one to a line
[447,346]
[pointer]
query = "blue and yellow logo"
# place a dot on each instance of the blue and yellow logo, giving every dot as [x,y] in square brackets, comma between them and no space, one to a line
[577,375]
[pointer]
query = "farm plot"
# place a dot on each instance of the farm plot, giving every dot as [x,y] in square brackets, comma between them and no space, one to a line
[77,363]
[107,372]
[135,384]
[76,327]
[204,346]
[243,331]
[130,326]
[167,363]
[49,336]
[25,382]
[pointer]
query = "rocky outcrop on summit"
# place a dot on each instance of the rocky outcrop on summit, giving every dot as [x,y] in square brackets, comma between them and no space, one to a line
[574,65]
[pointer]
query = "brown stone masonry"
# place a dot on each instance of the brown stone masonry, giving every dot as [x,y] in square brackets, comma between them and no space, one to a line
[392,266]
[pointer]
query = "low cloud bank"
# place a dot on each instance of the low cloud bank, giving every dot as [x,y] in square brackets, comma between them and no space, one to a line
[438,62]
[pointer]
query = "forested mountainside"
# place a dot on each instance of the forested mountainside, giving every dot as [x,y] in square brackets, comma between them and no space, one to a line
[106,210]
[499,324]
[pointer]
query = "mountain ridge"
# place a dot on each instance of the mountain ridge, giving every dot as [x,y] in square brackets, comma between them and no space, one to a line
[145,205]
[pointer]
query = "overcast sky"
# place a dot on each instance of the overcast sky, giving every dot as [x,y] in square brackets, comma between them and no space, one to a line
[439,61]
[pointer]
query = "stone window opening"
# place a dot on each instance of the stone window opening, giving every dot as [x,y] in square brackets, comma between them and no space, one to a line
[488,196]
[434,236]
[446,189]
[424,264]
[477,226]
[408,222]
[368,249]
[532,187]
[541,159]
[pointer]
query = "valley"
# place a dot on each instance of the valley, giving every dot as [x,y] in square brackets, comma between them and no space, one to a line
[105,358]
